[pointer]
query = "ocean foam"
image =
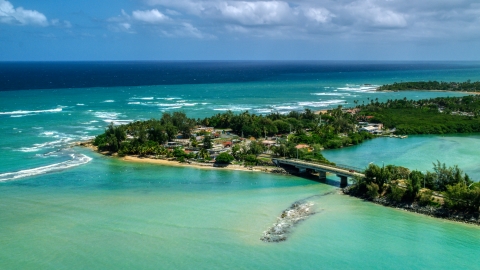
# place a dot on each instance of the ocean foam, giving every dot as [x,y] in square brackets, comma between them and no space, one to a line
[31,112]
[77,160]
[263,111]
[109,101]
[359,88]
[143,98]
[171,108]
[39,146]
[325,103]
[117,122]
[330,94]
[232,108]
[169,98]
[175,104]
[106,115]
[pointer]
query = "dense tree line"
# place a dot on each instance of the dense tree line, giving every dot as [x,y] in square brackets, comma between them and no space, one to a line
[428,116]
[433,85]
[146,137]
[402,185]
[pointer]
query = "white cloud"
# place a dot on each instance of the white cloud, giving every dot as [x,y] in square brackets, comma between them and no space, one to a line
[256,13]
[59,23]
[10,14]
[372,14]
[150,16]
[156,23]
[358,19]
[319,15]
[185,30]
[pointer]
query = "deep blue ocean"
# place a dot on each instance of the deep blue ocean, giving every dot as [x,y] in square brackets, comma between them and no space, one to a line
[68,207]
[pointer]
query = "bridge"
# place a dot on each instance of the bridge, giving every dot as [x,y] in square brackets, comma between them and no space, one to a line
[340,170]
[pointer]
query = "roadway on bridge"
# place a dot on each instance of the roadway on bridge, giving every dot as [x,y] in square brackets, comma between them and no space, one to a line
[320,167]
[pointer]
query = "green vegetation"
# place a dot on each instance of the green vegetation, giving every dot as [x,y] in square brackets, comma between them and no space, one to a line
[429,116]
[433,85]
[149,138]
[399,184]
[224,158]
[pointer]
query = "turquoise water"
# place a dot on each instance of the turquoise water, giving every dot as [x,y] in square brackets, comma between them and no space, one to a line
[67,207]
[415,152]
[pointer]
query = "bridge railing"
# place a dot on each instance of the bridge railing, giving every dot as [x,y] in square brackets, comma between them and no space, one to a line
[338,166]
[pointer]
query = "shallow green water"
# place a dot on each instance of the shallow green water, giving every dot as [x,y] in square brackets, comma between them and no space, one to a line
[64,208]
[146,216]
[415,152]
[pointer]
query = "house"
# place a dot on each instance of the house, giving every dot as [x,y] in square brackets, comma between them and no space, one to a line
[268,143]
[375,128]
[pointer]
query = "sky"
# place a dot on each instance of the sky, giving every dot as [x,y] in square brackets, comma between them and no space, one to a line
[66,30]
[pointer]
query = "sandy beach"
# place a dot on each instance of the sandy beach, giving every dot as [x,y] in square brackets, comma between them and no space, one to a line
[197,165]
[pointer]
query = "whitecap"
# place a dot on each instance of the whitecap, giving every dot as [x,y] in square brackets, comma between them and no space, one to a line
[359,88]
[77,160]
[287,107]
[233,108]
[325,103]
[263,110]
[172,108]
[39,146]
[80,104]
[143,98]
[109,101]
[169,98]
[106,115]
[330,94]
[117,122]
[31,112]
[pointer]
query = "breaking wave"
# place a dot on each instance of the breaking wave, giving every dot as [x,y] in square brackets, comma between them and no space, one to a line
[31,112]
[330,94]
[326,103]
[77,160]
[359,88]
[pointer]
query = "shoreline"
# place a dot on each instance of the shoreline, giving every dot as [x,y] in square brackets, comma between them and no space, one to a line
[190,164]
[435,212]
[198,165]
[424,90]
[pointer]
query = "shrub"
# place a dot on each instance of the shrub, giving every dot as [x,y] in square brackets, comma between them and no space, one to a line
[372,192]
[224,158]
[396,193]
[425,198]
[251,160]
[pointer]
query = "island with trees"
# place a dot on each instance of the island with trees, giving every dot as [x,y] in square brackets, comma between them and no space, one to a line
[248,140]
[467,86]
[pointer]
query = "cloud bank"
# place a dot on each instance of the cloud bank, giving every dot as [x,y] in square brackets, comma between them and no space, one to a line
[11,15]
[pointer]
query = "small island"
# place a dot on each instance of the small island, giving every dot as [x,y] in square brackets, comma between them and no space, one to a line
[467,86]
[251,142]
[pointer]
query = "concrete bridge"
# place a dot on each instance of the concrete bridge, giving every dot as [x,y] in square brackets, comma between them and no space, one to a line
[341,171]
